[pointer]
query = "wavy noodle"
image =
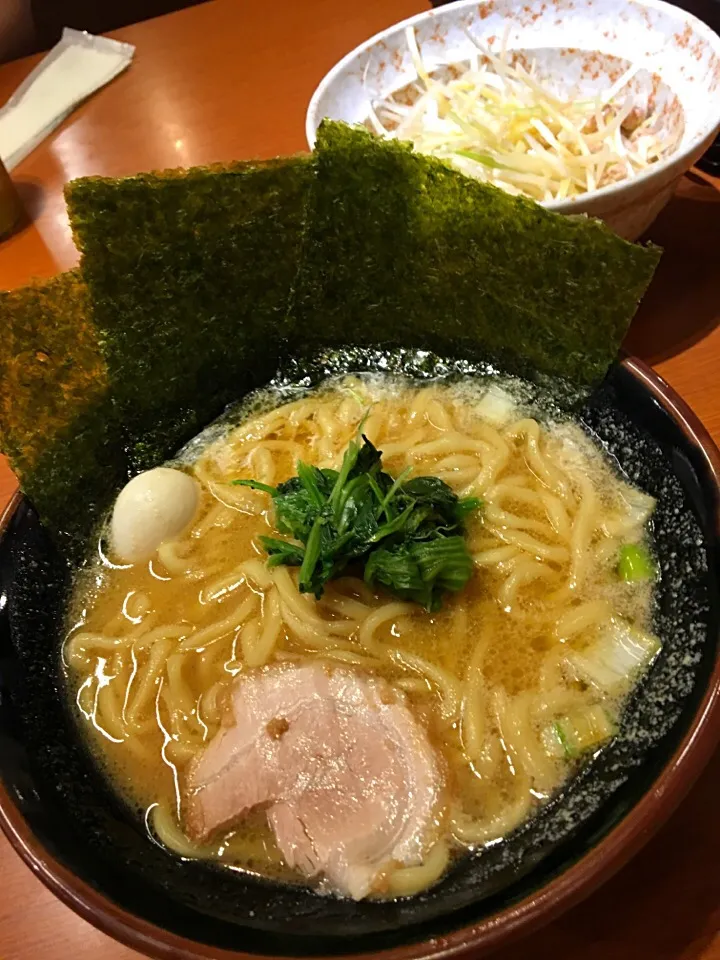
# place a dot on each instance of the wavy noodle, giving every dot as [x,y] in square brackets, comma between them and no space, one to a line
[451,443]
[176,689]
[169,833]
[494,556]
[210,702]
[387,613]
[522,741]
[82,646]
[153,660]
[492,466]
[172,557]
[313,635]
[401,449]
[207,635]
[502,518]
[182,737]
[260,461]
[542,466]
[474,722]
[219,515]
[475,832]
[486,762]
[259,653]
[407,881]
[354,588]
[256,571]
[584,617]
[300,605]
[358,660]
[583,528]
[220,588]
[524,571]
[109,708]
[531,545]
[556,513]
[141,698]
[438,415]
[416,685]
[447,685]
[347,607]
[238,499]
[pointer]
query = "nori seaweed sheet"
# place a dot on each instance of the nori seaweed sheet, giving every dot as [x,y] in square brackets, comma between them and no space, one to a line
[190,273]
[401,249]
[195,284]
[50,364]
[56,425]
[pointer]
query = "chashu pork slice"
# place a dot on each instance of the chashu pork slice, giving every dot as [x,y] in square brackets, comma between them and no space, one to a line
[351,783]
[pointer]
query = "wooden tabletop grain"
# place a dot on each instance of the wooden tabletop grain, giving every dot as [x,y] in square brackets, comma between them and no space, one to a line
[231,79]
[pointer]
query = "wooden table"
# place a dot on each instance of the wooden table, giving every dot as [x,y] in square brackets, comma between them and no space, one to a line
[232,79]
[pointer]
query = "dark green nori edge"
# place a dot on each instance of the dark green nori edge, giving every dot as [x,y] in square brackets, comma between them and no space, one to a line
[401,247]
[190,273]
[77,478]
[56,422]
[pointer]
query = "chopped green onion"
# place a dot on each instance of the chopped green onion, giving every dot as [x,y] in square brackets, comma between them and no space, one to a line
[572,735]
[635,563]
[616,658]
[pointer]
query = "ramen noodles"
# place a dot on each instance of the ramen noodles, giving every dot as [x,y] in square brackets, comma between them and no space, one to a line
[357,741]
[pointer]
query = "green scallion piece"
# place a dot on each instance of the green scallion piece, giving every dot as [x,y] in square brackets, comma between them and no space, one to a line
[635,563]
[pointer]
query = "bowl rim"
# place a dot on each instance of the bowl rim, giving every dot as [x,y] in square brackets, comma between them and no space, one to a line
[537,909]
[666,170]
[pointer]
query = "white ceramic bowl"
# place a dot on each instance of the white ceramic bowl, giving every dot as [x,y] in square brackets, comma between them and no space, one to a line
[578,45]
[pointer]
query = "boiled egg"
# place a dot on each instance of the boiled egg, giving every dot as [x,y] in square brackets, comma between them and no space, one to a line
[153,507]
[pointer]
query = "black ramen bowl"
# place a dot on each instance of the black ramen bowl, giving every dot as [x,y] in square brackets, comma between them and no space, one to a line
[95,854]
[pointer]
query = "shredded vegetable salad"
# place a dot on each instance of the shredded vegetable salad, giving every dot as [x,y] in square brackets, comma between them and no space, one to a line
[496,122]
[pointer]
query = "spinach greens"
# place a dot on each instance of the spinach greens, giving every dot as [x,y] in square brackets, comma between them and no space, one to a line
[407,534]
